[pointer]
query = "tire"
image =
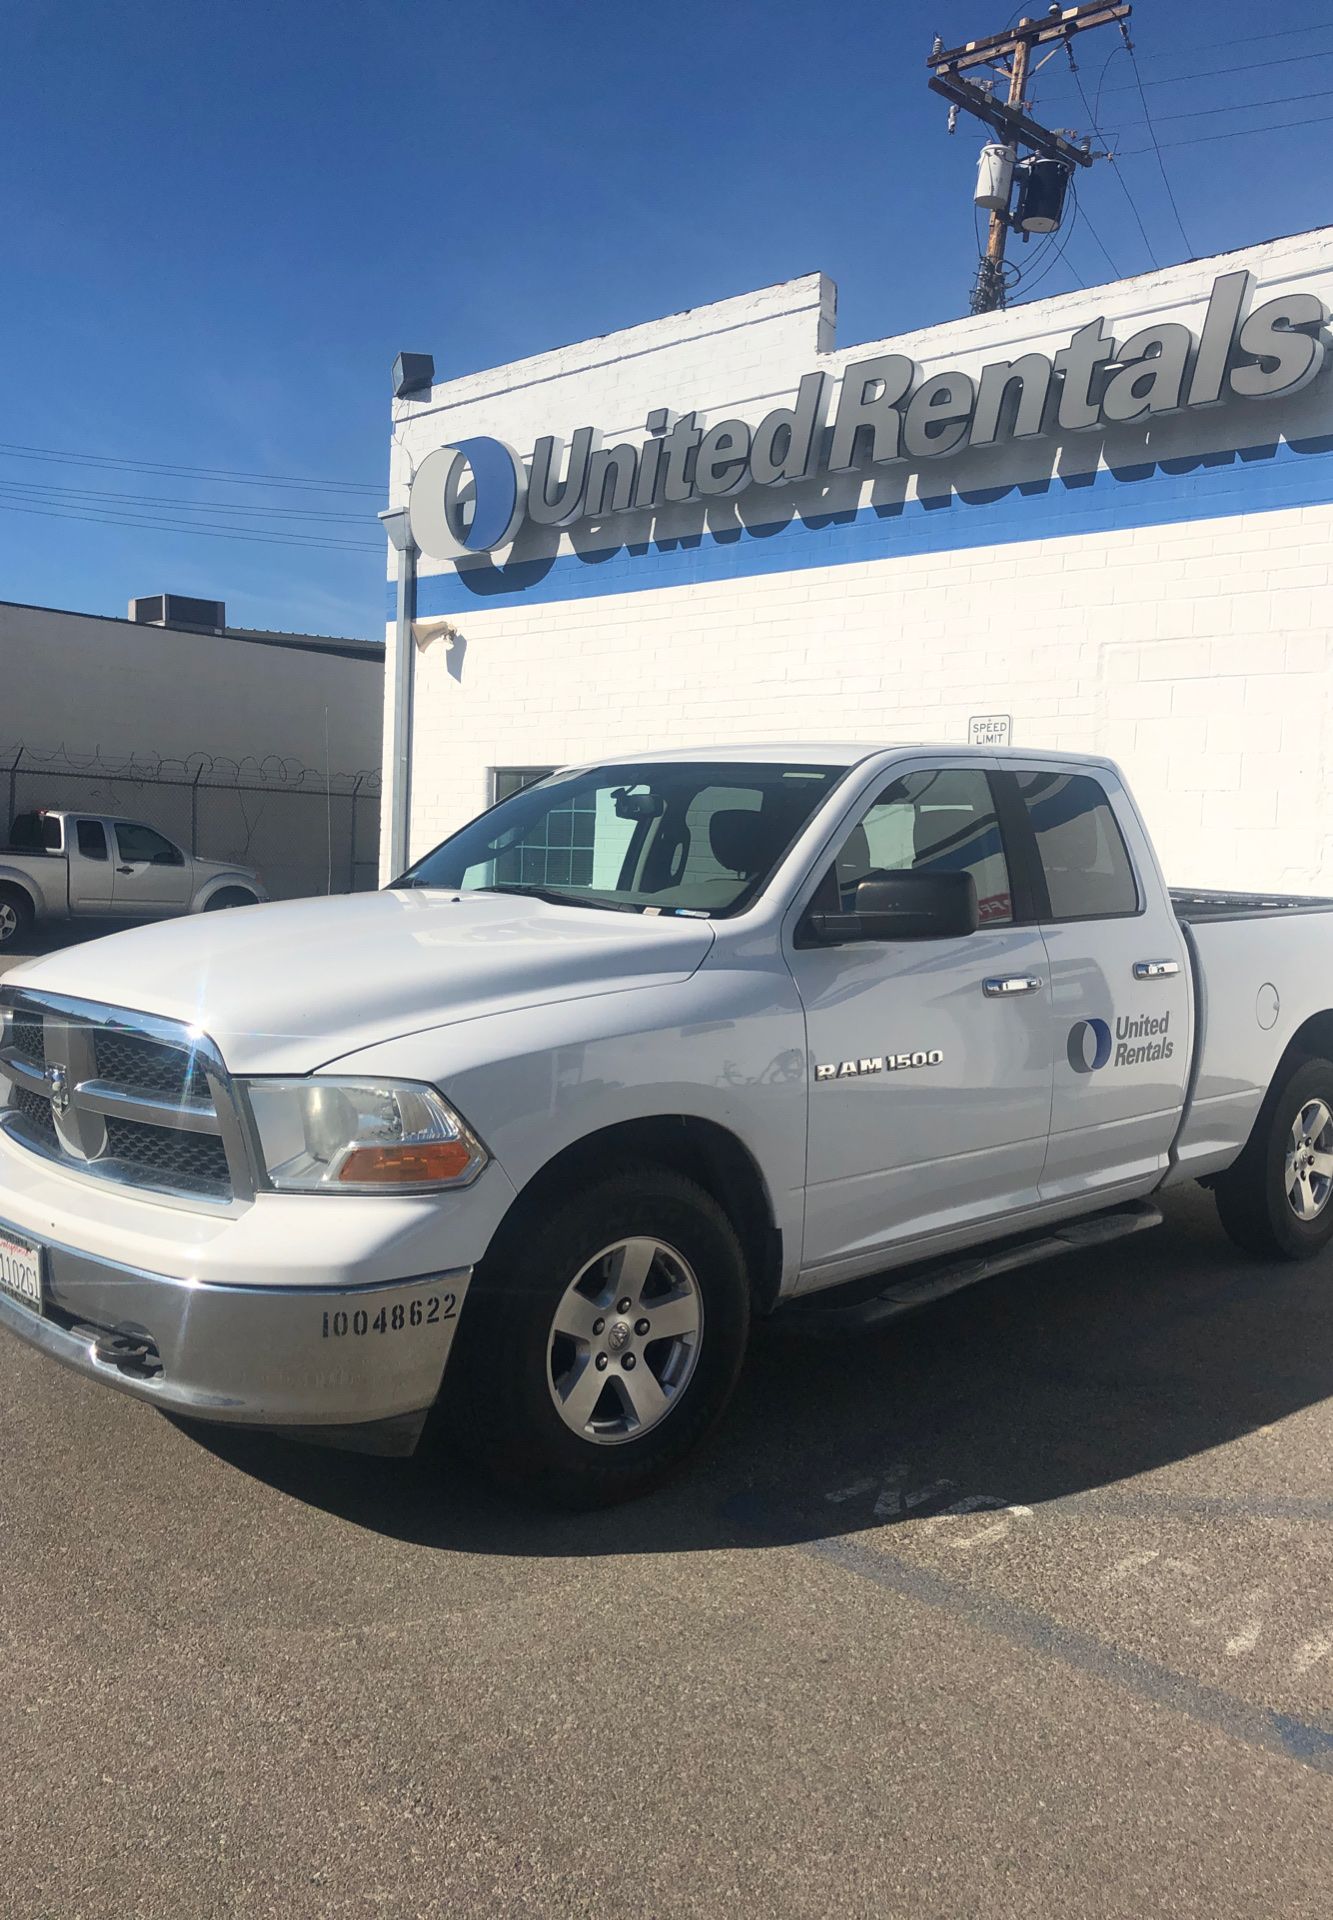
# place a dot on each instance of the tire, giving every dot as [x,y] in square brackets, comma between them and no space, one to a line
[1276,1201]
[512,1364]
[230,897]
[16,917]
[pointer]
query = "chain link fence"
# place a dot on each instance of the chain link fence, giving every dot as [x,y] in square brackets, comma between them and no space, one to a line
[306,832]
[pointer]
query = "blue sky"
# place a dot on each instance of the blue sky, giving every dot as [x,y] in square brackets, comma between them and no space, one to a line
[220,223]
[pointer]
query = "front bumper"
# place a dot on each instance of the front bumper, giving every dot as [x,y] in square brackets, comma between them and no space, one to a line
[304,1358]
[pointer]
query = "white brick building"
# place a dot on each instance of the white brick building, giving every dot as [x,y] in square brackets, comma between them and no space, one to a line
[1156,589]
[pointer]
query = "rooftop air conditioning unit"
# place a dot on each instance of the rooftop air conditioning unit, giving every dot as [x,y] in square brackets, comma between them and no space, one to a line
[179,610]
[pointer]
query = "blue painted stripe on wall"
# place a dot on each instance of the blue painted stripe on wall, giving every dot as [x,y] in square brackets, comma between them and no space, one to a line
[1109,500]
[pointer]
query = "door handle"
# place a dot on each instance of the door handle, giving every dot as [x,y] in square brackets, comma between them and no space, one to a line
[1155,969]
[1003,986]
[124,869]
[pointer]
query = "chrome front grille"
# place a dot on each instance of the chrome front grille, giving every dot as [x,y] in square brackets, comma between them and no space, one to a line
[29,1039]
[132,1060]
[191,1157]
[37,1117]
[122,1097]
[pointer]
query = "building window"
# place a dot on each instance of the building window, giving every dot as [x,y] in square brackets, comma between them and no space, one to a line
[508,780]
[559,852]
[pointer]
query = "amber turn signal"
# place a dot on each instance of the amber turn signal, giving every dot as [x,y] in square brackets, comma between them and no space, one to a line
[429,1164]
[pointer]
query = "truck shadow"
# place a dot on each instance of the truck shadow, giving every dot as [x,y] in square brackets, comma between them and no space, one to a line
[1039,1386]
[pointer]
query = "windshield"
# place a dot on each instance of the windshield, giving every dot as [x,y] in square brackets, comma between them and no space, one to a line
[697,837]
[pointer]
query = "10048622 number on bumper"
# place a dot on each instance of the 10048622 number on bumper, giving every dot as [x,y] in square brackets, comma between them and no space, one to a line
[340,1363]
[428,1310]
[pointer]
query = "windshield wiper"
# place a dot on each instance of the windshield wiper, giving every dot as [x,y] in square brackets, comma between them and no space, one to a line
[555,898]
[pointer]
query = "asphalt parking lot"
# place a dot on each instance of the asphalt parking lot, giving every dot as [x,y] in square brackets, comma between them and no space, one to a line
[1021,1607]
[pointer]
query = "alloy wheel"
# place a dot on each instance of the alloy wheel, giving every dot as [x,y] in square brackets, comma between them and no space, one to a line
[625,1340]
[1309,1164]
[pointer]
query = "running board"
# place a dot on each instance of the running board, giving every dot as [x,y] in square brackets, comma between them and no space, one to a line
[907,1292]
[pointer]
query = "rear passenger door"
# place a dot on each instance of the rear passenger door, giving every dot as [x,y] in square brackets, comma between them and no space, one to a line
[1120,982]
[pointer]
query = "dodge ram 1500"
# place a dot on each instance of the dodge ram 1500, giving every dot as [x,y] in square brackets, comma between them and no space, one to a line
[645,1051]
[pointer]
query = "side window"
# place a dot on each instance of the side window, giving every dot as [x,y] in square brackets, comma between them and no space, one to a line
[137,843]
[1082,852]
[931,822]
[92,839]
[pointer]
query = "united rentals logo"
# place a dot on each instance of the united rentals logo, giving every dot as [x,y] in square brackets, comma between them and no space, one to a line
[1138,1040]
[1089,1046]
[475,495]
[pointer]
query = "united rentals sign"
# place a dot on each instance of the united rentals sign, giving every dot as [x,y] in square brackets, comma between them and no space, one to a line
[474,496]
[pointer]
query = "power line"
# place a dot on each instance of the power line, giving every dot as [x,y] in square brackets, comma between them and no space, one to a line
[1285,33]
[235,476]
[1275,100]
[1101,78]
[1213,73]
[1233,133]
[1161,164]
[1059,256]
[1124,185]
[1081,214]
[203,533]
[1138,217]
[97,495]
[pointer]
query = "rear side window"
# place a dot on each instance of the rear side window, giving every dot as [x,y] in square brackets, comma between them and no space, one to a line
[92,839]
[1082,853]
[35,833]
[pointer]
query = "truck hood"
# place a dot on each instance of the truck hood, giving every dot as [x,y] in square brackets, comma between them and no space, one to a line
[286,988]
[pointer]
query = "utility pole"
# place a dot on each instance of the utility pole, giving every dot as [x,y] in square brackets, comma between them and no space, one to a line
[1009,55]
[989,290]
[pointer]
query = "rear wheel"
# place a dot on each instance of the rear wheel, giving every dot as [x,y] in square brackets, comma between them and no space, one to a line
[229,897]
[1277,1200]
[16,916]
[599,1343]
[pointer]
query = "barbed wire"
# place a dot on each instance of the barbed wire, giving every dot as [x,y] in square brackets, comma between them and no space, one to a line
[203,769]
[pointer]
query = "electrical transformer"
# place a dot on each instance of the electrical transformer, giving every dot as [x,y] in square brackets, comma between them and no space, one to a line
[995,173]
[1042,185]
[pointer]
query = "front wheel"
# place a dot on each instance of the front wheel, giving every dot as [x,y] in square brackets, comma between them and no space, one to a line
[1277,1200]
[599,1343]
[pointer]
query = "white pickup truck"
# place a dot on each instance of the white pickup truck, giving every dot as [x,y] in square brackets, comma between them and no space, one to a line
[59,866]
[647,1050]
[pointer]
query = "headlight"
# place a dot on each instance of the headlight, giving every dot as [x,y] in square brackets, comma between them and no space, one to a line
[360,1136]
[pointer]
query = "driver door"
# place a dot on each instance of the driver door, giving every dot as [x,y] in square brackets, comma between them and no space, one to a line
[152,877]
[936,1113]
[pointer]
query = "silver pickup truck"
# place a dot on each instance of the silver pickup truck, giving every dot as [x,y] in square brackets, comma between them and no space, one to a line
[648,1050]
[78,866]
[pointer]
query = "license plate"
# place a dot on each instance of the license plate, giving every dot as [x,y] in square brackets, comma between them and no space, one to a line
[21,1271]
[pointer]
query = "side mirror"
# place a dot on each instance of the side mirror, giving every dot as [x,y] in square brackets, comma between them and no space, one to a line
[908,906]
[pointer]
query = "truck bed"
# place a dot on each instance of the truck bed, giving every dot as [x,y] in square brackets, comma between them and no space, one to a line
[1193,905]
